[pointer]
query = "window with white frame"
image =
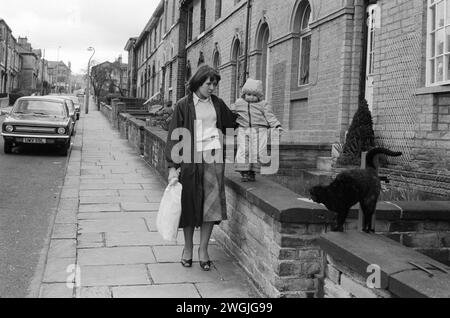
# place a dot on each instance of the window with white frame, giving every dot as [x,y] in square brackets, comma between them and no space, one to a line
[438,48]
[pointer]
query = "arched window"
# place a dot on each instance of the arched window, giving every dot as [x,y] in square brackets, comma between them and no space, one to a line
[218,11]
[302,21]
[263,61]
[216,65]
[236,74]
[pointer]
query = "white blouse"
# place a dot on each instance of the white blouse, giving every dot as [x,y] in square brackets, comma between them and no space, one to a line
[207,134]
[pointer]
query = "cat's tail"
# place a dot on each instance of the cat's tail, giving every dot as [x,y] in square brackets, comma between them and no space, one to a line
[370,158]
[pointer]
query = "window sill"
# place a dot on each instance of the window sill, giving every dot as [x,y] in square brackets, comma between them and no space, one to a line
[433,90]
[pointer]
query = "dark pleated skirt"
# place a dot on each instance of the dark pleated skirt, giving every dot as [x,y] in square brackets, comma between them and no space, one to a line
[212,206]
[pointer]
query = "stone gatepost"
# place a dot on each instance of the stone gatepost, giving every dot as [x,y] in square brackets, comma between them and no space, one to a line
[115,111]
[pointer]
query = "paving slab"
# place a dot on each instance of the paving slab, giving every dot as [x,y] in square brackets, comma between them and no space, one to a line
[97,193]
[151,216]
[69,194]
[113,199]
[112,186]
[55,291]
[94,292]
[66,217]
[64,231]
[63,248]
[147,207]
[107,207]
[68,204]
[227,289]
[156,291]
[112,225]
[172,254]
[59,270]
[116,256]
[101,181]
[141,192]
[123,170]
[176,274]
[90,240]
[135,239]
[154,186]
[229,271]
[116,275]
[147,239]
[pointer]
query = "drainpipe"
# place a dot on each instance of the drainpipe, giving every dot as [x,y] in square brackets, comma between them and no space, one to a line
[5,86]
[247,39]
[365,35]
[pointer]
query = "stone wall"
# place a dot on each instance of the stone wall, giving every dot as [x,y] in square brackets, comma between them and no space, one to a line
[358,265]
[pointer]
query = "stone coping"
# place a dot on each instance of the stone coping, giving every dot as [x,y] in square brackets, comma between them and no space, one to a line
[287,206]
[360,250]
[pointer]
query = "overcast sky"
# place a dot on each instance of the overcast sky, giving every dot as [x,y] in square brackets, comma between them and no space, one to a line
[74,25]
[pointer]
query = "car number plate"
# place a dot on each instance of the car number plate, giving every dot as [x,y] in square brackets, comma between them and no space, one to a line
[34,140]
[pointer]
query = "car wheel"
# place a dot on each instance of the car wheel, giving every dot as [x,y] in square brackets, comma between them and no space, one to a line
[8,147]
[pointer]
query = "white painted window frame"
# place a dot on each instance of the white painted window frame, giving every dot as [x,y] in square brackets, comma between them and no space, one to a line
[445,55]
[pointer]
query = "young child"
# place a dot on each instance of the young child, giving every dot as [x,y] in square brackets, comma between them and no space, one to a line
[254,117]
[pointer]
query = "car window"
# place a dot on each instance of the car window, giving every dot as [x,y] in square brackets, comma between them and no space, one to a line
[51,108]
[70,105]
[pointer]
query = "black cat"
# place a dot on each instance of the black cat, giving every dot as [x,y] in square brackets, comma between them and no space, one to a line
[351,187]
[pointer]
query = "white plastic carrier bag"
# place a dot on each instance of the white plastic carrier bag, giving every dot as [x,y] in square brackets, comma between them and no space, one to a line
[169,213]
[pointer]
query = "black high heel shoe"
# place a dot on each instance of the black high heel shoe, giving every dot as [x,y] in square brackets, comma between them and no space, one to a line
[206,266]
[185,262]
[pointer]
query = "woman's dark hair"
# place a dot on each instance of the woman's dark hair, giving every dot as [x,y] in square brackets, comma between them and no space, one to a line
[204,73]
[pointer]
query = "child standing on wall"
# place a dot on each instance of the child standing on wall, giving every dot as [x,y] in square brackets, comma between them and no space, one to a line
[254,117]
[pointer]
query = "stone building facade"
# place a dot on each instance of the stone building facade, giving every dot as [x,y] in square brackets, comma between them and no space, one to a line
[59,75]
[29,72]
[155,54]
[10,59]
[317,58]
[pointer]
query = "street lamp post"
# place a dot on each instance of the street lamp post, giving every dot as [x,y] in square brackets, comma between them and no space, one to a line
[86,93]
[57,72]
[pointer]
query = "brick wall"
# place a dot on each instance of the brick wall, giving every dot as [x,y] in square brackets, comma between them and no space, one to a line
[281,258]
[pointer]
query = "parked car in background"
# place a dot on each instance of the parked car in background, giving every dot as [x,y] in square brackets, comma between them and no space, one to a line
[70,104]
[77,105]
[41,120]
[75,101]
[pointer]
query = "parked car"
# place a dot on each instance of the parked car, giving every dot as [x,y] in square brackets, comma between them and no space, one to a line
[38,120]
[70,104]
[77,104]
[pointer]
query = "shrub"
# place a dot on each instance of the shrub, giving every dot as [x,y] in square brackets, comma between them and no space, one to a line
[360,136]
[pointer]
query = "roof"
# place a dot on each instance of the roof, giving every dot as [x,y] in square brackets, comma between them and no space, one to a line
[158,11]
[24,51]
[54,64]
[130,43]
[48,98]
[6,24]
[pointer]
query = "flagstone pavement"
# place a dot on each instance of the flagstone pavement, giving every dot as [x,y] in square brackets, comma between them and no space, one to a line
[104,242]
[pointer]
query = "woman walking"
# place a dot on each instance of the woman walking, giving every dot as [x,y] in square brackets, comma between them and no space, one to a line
[206,118]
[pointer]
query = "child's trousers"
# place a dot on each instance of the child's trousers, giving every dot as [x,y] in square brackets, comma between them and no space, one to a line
[251,147]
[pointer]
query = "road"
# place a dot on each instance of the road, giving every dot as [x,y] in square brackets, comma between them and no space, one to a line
[30,183]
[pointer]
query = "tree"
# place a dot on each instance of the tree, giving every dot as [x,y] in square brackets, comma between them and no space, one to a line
[360,136]
[99,77]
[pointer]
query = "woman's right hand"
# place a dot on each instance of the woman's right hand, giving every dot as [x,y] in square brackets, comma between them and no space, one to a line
[173,176]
